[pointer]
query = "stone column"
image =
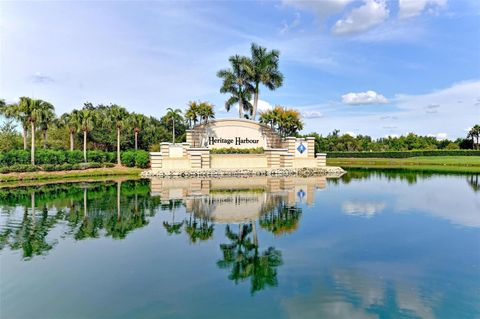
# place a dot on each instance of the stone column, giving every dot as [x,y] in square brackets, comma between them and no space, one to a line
[189,136]
[310,147]
[273,157]
[321,159]
[286,160]
[165,149]
[155,160]
[290,144]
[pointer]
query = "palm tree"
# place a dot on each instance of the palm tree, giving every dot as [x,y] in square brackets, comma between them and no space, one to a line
[13,111]
[35,110]
[85,120]
[118,115]
[191,114]
[286,122]
[205,111]
[138,121]
[263,69]
[474,133]
[70,121]
[174,115]
[236,82]
[47,117]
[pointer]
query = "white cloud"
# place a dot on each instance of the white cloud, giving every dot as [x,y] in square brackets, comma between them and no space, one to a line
[352,134]
[369,97]
[411,8]
[365,209]
[369,15]
[286,27]
[311,114]
[439,136]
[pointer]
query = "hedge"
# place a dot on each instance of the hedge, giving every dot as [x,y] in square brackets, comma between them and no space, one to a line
[57,157]
[403,154]
[232,150]
[21,168]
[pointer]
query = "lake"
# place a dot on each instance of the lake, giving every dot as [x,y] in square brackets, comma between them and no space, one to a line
[371,244]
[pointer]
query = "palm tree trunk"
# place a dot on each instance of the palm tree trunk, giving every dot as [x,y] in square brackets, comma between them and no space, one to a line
[240,108]
[255,238]
[44,139]
[136,140]
[255,102]
[24,135]
[118,146]
[71,141]
[173,130]
[32,154]
[85,211]
[85,146]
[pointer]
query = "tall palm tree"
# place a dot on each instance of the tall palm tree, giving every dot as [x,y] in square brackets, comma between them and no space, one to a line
[70,121]
[174,115]
[191,113]
[138,121]
[35,110]
[236,82]
[47,117]
[474,133]
[85,120]
[13,111]
[118,115]
[263,69]
[206,112]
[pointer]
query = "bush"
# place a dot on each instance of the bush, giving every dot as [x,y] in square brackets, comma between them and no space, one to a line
[49,157]
[142,159]
[18,168]
[14,157]
[74,157]
[232,150]
[128,158]
[404,154]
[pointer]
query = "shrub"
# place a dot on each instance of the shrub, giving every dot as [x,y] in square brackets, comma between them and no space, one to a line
[49,157]
[403,154]
[232,150]
[142,159]
[128,158]
[19,168]
[14,157]
[73,157]
[97,156]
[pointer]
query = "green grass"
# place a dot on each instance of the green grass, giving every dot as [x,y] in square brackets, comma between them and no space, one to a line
[459,164]
[62,175]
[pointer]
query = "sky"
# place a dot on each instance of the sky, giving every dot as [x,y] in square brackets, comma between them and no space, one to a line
[370,67]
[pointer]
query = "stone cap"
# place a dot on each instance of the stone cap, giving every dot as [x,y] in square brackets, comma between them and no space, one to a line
[321,154]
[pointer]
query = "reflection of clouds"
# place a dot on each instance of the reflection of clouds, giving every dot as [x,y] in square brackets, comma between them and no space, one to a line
[356,293]
[362,208]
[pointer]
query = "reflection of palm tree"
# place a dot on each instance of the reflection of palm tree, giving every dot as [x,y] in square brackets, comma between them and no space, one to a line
[243,259]
[474,182]
[173,227]
[390,307]
[283,219]
[199,230]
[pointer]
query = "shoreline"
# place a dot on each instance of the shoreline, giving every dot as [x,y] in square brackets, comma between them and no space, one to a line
[329,171]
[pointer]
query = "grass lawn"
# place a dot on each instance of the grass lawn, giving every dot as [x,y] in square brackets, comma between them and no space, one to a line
[465,164]
[61,175]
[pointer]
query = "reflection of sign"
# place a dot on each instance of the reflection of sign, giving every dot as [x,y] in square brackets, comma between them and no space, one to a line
[231,141]
[301,194]
[301,148]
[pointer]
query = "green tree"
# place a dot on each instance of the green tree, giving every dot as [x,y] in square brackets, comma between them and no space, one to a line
[263,69]
[191,113]
[236,82]
[206,112]
[15,112]
[85,120]
[70,121]
[287,122]
[138,121]
[47,118]
[118,116]
[174,116]
[474,134]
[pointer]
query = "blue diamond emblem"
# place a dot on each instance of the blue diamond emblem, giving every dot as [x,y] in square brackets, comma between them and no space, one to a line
[301,194]
[301,148]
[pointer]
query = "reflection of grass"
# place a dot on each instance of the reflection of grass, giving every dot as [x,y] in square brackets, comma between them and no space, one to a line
[88,173]
[454,164]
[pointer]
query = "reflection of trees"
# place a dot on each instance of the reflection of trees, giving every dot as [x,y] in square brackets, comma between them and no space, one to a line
[389,307]
[87,210]
[474,182]
[281,219]
[173,227]
[245,261]
[199,228]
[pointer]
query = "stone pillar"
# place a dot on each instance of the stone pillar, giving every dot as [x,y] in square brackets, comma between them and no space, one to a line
[310,147]
[185,147]
[273,157]
[290,144]
[286,160]
[165,149]
[321,159]
[199,158]
[155,160]
[189,136]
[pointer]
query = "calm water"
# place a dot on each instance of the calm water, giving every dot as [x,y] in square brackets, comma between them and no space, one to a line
[367,245]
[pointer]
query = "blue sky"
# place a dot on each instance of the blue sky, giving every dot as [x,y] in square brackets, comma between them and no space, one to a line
[366,67]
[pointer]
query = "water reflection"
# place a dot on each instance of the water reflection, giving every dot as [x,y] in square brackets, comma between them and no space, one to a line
[373,245]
